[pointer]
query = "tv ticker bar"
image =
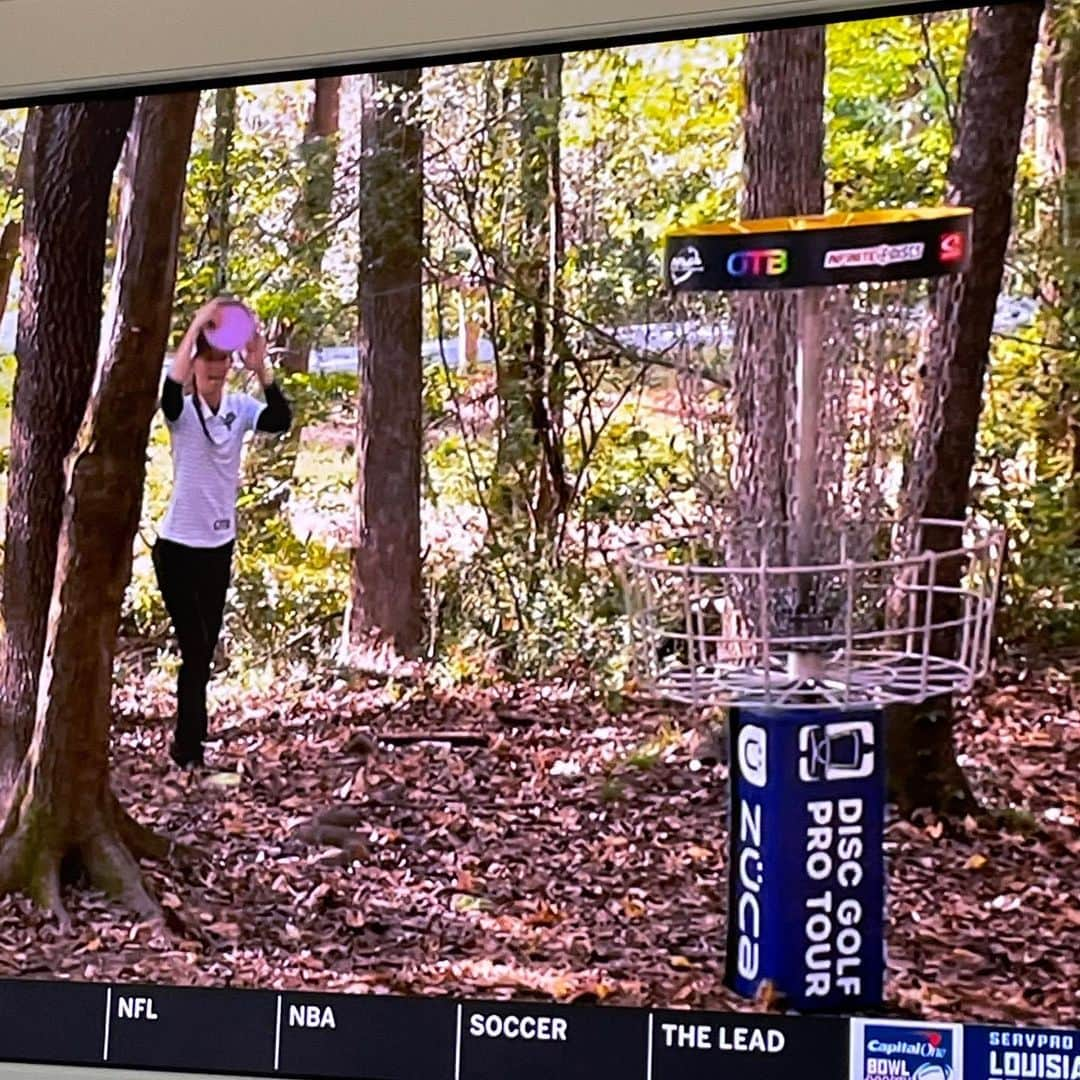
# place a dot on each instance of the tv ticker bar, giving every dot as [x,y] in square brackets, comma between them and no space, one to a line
[372,1037]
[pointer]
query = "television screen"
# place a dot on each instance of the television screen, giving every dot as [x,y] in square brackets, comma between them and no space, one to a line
[559,564]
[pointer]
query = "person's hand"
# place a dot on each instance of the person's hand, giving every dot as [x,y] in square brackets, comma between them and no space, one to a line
[255,353]
[205,316]
[254,359]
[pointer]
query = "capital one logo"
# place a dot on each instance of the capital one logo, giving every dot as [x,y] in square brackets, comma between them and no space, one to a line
[752,754]
[840,751]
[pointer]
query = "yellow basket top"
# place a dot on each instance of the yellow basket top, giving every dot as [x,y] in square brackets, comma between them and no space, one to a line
[810,222]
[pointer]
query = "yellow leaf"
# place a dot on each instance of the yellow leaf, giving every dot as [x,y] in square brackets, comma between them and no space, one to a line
[633,909]
[680,962]
[976,862]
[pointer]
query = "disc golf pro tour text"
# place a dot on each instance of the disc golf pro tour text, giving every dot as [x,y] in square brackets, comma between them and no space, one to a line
[834,849]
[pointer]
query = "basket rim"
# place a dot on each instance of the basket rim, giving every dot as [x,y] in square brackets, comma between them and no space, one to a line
[640,555]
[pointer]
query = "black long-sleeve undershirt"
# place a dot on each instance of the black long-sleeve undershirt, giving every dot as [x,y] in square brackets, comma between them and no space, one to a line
[274,419]
[172,399]
[277,416]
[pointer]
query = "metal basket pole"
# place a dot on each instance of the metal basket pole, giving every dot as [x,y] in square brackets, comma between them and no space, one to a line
[805,664]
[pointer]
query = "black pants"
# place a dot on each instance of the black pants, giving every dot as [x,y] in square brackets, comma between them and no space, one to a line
[193,583]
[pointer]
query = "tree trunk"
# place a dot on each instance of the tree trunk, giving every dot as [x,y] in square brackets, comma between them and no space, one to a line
[783,175]
[997,68]
[73,156]
[384,614]
[312,238]
[529,466]
[219,223]
[784,123]
[1065,30]
[64,811]
[1058,155]
[559,348]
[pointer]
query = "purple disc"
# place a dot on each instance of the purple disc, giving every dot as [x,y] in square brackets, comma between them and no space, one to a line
[234,327]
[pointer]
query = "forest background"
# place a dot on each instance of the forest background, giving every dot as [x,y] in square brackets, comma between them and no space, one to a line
[459,271]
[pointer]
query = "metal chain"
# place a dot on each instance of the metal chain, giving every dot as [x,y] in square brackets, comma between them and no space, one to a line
[874,415]
[938,347]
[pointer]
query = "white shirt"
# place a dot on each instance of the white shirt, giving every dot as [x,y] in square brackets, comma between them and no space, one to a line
[206,472]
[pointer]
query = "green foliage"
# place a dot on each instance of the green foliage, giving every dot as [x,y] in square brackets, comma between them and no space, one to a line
[650,143]
[1028,481]
[289,589]
[634,475]
[12,123]
[270,176]
[500,613]
[515,608]
[892,91]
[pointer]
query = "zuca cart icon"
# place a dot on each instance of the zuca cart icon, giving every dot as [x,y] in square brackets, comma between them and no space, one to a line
[814,593]
[843,750]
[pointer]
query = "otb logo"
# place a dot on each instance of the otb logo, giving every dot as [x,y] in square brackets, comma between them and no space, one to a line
[752,754]
[766,262]
[951,247]
[839,751]
[685,264]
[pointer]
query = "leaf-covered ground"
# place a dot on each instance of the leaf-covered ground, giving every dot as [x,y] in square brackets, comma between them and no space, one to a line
[537,846]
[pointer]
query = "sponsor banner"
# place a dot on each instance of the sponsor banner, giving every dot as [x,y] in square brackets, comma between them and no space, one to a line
[1002,1053]
[806,880]
[880,255]
[723,260]
[685,264]
[906,1050]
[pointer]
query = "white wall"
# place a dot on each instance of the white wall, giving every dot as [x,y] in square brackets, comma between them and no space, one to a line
[48,46]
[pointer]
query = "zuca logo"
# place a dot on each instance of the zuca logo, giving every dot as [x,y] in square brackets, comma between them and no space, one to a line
[951,247]
[766,262]
[753,755]
[685,264]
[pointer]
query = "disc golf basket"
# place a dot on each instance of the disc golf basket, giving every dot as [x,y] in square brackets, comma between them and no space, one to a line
[813,591]
[813,580]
